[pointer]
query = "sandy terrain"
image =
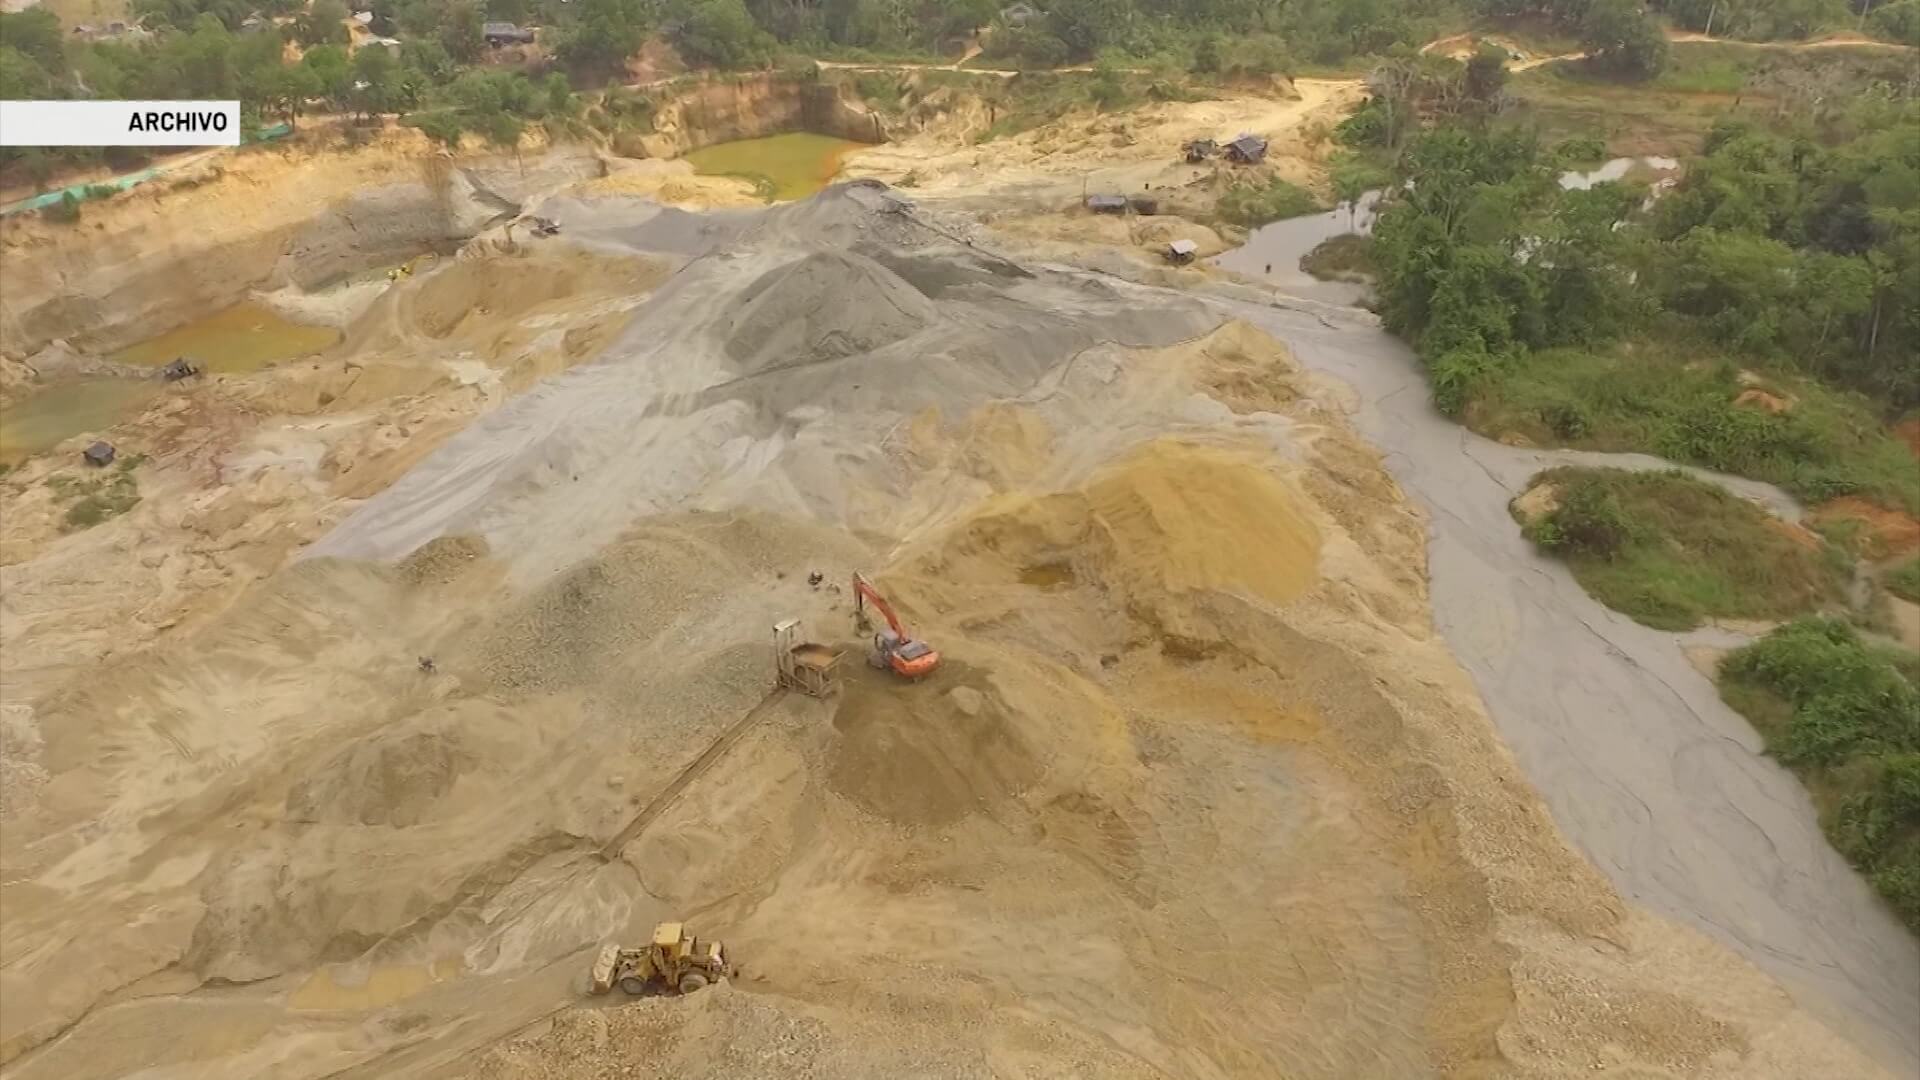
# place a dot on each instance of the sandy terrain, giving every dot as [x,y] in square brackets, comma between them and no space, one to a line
[1199,791]
[1206,787]
[1122,152]
[242,472]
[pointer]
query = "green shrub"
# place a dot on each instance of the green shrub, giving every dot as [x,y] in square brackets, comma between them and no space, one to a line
[66,211]
[96,495]
[1578,150]
[1347,257]
[1566,419]
[1904,580]
[1846,717]
[1671,551]
[1252,205]
[1846,698]
[1658,399]
[1589,520]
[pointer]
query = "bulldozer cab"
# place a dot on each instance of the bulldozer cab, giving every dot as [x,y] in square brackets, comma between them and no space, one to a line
[669,944]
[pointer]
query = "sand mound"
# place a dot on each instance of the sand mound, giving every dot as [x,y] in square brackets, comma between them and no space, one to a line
[1190,517]
[823,307]
[1173,517]
[390,779]
[926,753]
[442,560]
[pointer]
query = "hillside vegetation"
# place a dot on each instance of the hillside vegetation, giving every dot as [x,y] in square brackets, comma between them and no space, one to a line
[1588,317]
[1672,551]
[1845,716]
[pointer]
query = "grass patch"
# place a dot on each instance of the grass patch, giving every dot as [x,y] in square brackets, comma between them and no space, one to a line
[1650,397]
[1252,205]
[1844,715]
[1347,257]
[1671,113]
[1672,551]
[97,496]
[1903,581]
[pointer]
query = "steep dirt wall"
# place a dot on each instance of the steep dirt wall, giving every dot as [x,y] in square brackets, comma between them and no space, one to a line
[173,250]
[724,109]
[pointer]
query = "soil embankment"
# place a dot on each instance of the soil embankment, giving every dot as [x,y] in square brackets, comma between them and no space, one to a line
[142,263]
[724,109]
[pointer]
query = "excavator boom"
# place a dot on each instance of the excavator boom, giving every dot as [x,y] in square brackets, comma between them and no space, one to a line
[863,590]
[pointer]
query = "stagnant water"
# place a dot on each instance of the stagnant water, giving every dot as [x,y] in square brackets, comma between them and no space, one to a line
[782,167]
[66,409]
[243,338]
[1272,252]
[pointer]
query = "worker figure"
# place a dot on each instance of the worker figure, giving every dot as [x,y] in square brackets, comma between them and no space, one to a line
[1269,268]
[814,579]
[426,665]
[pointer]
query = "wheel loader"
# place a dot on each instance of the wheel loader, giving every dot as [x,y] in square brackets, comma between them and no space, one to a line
[676,960]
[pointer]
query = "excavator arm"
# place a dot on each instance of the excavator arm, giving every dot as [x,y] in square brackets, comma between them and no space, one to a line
[864,592]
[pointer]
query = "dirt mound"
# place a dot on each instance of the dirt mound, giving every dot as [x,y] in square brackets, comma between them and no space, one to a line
[1173,517]
[442,560]
[1884,533]
[390,779]
[823,307]
[929,753]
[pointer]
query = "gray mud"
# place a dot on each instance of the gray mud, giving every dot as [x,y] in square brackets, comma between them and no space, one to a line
[1662,785]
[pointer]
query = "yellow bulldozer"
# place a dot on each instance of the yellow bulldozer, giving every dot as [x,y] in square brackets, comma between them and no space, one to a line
[675,960]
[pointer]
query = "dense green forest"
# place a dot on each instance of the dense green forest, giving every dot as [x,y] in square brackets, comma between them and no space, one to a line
[1791,249]
[233,48]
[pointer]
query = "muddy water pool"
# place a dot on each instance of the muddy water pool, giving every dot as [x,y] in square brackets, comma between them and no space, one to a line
[781,167]
[243,338]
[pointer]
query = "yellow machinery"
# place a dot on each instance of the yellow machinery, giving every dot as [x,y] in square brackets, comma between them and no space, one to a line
[675,960]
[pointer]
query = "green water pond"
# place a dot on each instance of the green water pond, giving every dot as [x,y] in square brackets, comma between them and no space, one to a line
[66,409]
[781,167]
[244,338]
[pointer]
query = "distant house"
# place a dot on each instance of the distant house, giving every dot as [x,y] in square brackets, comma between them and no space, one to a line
[1199,150]
[364,18]
[1247,150]
[98,455]
[505,33]
[1018,15]
[1107,204]
[1182,252]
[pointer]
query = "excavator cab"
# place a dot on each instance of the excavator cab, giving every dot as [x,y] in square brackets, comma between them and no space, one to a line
[913,659]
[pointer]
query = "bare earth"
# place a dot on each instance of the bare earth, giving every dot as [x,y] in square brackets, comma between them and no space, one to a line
[1199,791]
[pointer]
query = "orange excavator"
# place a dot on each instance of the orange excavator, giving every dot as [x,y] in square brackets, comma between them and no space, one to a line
[893,647]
